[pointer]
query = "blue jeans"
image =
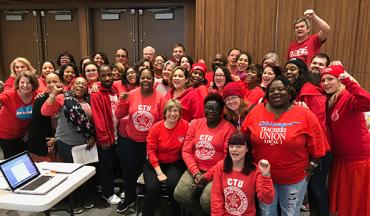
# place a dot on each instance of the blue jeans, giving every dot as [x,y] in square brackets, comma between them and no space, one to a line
[290,198]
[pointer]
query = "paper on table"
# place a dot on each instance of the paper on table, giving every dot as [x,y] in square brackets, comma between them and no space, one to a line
[59,167]
[83,156]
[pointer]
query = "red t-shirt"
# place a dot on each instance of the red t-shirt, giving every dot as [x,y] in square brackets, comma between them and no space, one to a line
[15,116]
[253,96]
[347,124]
[287,142]
[164,145]
[306,49]
[234,193]
[143,112]
[204,146]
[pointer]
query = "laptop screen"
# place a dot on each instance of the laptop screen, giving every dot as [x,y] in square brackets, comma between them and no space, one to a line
[18,170]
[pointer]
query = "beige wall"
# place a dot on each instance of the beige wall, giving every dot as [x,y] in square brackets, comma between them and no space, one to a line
[261,26]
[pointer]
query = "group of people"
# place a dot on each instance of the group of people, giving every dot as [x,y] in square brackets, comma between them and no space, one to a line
[239,139]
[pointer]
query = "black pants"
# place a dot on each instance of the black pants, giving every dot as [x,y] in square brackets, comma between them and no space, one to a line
[317,187]
[105,170]
[134,154]
[153,187]
[12,147]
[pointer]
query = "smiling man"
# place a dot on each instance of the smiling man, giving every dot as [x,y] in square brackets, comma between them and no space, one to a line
[307,45]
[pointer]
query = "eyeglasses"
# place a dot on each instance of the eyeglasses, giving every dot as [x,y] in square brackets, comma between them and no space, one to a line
[211,109]
[120,56]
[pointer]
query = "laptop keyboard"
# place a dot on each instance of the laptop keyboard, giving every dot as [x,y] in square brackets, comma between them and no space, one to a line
[37,183]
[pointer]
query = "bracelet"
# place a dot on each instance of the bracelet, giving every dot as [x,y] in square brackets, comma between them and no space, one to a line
[314,164]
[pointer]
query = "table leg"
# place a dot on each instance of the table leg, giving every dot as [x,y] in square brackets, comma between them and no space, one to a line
[71,204]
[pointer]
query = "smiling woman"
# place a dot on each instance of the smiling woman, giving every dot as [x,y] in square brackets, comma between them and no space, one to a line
[16,113]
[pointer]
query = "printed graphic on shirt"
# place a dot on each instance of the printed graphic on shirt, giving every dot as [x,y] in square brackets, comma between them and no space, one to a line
[335,115]
[142,118]
[204,150]
[24,112]
[236,201]
[299,52]
[274,133]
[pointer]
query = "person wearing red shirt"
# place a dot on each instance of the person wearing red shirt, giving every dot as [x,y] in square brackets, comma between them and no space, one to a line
[221,78]
[103,103]
[192,107]
[205,144]
[197,79]
[306,45]
[231,60]
[253,93]
[46,68]
[291,139]
[164,165]
[16,113]
[237,180]
[17,66]
[144,107]
[218,61]
[350,172]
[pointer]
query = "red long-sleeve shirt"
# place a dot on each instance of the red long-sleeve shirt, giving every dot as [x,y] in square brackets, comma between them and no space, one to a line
[192,104]
[347,124]
[286,142]
[164,145]
[253,96]
[143,112]
[15,116]
[204,146]
[234,193]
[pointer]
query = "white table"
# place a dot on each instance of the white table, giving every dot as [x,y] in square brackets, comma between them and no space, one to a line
[39,203]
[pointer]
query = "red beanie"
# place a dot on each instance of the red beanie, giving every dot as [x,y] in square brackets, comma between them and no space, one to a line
[199,66]
[334,70]
[231,89]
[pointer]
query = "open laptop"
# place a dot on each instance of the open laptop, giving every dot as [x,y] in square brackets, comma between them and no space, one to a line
[23,176]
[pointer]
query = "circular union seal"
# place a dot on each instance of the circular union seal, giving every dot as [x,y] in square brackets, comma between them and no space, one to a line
[143,120]
[204,150]
[236,201]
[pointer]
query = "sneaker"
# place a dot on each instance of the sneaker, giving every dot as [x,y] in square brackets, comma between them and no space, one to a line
[78,210]
[124,206]
[113,200]
[88,205]
[122,195]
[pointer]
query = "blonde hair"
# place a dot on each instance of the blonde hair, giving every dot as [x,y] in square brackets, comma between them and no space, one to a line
[25,62]
[170,104]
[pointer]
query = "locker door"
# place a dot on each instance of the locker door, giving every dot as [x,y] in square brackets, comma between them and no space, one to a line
[19,38]
[158,30]
[108,33]
[60,35]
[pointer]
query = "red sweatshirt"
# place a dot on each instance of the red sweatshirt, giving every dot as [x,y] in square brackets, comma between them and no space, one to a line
[287,142]
[42,84]
[234,193]
[165,145]
[143,112]
[204,146]
[314,98]
[347,124]
[15,116]
[102,115]
[192,104]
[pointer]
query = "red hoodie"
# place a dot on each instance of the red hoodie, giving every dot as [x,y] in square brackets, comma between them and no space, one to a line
[347,124]
[164,145]
[286,142]
[204,146]
[191,101]
[143,112]
[234,193]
